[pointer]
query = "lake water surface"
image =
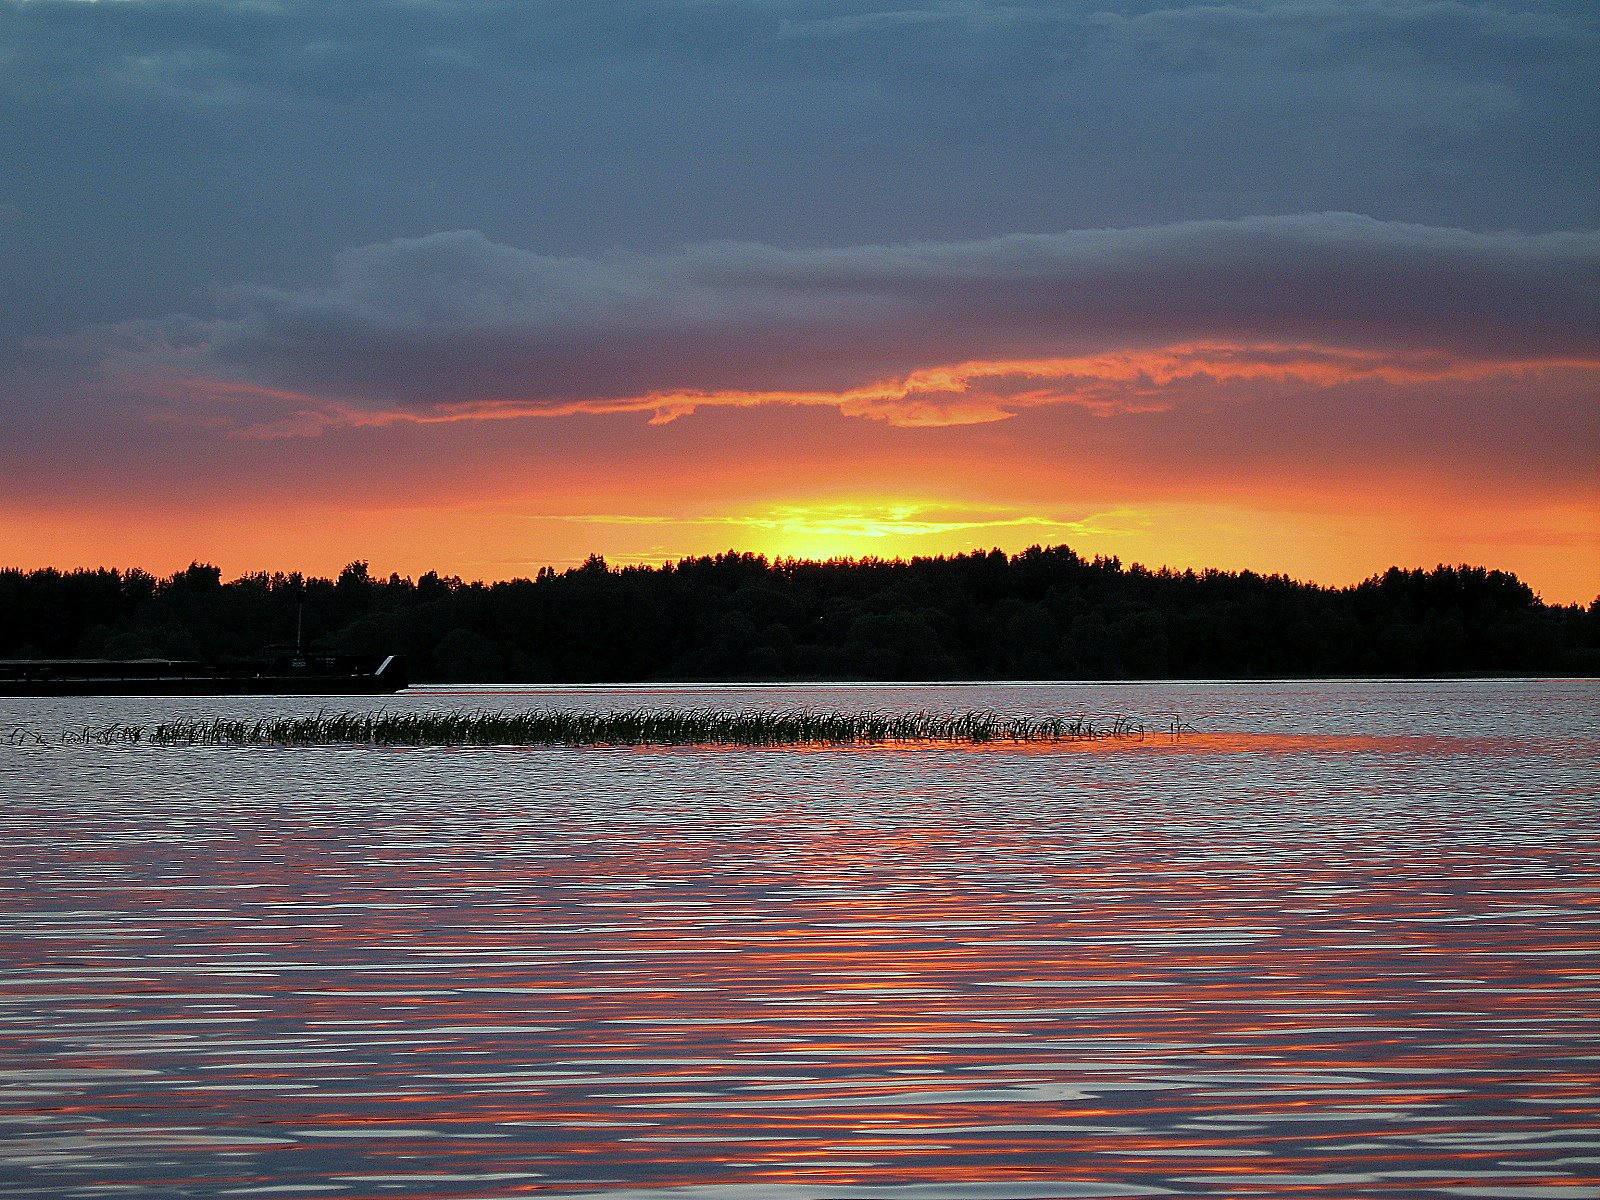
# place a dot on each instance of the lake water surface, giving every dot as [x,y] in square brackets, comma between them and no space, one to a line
[1343,940]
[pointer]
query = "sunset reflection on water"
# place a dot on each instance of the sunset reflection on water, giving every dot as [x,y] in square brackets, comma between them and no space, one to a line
[1235,964]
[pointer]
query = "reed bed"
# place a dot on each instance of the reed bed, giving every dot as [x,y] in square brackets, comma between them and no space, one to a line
[620,727]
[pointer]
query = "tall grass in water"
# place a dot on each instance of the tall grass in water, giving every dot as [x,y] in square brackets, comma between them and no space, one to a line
[626,727]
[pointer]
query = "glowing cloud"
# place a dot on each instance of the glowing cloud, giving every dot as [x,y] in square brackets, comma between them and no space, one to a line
[966,393]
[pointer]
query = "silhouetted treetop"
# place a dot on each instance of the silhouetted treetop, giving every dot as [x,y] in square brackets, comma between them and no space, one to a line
[1046,613]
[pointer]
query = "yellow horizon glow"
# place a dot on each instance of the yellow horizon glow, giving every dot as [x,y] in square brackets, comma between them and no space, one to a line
[1554,548]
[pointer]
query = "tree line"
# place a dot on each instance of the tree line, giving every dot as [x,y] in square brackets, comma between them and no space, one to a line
[1046,613]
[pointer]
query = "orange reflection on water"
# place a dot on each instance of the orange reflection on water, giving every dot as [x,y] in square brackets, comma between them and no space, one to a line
[1205,963]
[1188,741]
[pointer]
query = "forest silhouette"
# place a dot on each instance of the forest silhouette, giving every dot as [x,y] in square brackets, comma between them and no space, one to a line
[1046,613]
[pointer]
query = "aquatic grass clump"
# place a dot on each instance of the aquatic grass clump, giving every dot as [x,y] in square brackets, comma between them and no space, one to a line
[617,727]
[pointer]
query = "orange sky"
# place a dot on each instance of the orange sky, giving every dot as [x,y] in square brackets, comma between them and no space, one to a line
[496,499]
[1320,462]
[1553,548]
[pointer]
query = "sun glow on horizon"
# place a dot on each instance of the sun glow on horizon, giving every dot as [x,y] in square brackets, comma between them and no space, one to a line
[1555,549]
[890,528]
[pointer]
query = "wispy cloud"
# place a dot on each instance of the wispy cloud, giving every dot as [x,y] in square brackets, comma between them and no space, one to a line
[966,393]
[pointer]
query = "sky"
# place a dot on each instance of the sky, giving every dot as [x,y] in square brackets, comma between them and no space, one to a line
[478,286]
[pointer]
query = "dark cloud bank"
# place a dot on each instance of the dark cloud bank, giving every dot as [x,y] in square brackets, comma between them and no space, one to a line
[455,318]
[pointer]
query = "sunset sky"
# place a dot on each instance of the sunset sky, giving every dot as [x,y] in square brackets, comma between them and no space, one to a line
[477,286]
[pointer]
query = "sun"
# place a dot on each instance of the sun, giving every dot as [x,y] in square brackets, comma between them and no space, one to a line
[881,527]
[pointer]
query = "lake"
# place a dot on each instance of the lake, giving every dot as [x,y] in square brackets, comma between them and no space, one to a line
[1342,940]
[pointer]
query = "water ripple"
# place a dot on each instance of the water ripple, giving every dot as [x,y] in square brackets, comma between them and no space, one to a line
[1248,964]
